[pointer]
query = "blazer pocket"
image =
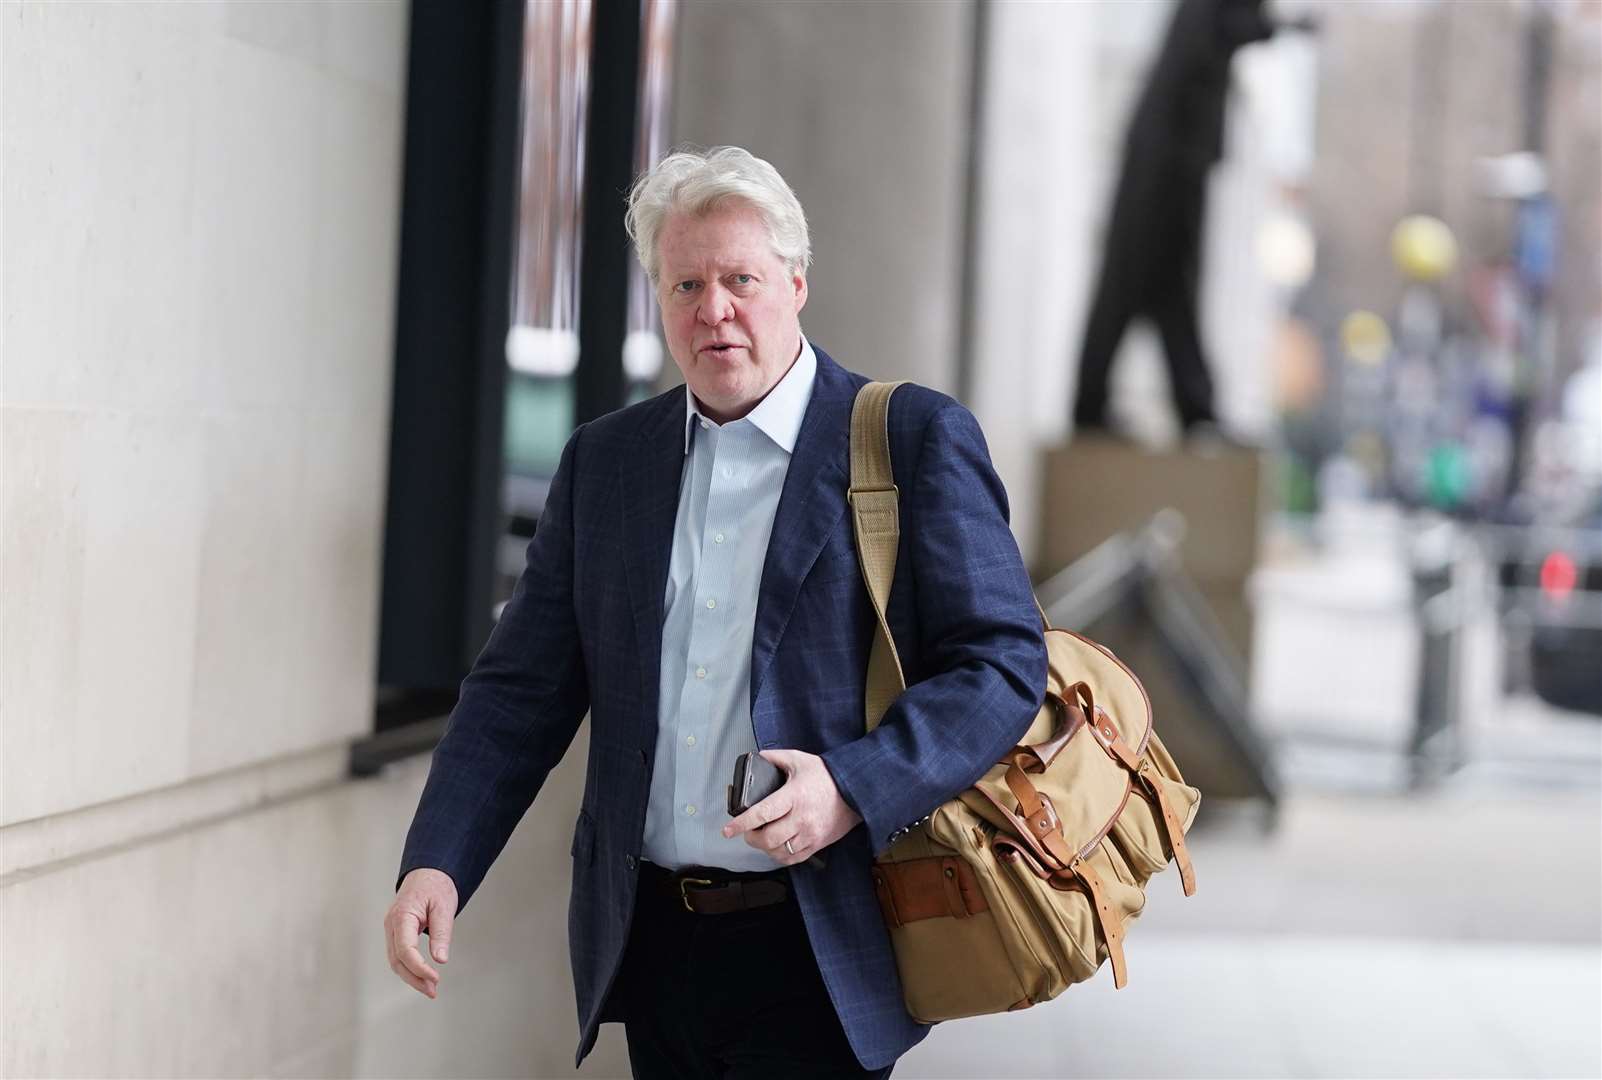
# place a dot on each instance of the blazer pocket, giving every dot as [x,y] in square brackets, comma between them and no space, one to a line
[834,566]
[583,848]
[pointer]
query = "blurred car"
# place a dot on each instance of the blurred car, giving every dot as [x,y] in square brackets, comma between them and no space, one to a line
[1552,585]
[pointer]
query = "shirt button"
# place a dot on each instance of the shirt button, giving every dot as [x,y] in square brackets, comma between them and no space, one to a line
[689,740]
[628,861]
[690,810]
[718,538]
[700,673]
[711,603]
[705,426]
[727,471]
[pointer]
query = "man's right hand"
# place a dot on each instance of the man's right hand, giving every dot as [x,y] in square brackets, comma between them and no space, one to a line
[426,900]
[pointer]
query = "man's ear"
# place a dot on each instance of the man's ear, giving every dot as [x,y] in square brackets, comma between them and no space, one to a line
[799,282]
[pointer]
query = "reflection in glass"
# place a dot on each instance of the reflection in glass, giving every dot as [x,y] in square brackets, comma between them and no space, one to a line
[642,348]
[556,55]
[542,345]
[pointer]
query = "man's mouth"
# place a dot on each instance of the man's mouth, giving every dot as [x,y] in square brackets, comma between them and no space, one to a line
[720,348]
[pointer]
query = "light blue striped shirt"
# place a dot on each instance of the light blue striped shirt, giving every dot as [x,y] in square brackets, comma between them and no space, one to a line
[728,493]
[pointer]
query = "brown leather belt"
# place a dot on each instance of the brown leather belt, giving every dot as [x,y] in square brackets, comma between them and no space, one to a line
[708,890]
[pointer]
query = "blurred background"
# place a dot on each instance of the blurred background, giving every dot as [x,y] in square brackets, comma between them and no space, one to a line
[301,301]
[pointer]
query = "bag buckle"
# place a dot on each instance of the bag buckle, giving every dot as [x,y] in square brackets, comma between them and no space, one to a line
[684,894]
[1045,819]
[852,493]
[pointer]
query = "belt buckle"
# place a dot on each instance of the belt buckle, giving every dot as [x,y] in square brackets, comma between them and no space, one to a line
[685,896]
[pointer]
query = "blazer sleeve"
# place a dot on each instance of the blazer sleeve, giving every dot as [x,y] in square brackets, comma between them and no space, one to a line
[977,630]
[518,711]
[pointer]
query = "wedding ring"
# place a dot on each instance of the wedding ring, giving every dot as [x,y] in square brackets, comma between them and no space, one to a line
[789,847]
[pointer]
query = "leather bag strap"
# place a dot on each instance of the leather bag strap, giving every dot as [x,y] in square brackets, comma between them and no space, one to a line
[1147,776]
[1172,826]
[1044,824]
[1112,927]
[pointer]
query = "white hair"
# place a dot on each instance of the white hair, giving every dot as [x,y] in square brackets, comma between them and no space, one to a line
[699,182]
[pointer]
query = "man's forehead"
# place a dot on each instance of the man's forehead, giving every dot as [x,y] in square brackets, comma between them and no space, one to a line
[734,211]
[693,237]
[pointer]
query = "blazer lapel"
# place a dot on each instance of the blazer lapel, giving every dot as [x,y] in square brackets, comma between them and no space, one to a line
[810,505]
[650,507]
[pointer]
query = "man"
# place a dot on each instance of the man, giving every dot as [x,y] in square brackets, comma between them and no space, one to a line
[693,583]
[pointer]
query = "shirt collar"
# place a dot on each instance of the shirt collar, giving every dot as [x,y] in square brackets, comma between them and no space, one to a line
[779,414]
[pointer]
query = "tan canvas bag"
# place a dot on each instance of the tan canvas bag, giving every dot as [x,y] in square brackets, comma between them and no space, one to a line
[1022,885]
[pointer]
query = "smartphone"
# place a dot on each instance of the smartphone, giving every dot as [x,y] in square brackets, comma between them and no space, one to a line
[755,778]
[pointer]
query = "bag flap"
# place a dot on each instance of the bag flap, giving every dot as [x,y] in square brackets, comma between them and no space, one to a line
[1086,787]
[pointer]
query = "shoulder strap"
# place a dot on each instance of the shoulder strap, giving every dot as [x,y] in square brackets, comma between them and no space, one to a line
[876,518]
[875,511]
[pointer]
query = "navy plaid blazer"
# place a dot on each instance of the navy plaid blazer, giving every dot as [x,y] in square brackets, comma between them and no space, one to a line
[583,631]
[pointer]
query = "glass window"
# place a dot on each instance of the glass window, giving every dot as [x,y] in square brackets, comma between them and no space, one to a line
[542,345]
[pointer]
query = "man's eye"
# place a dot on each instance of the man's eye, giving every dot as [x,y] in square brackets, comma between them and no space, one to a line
[742,279]
[684,286]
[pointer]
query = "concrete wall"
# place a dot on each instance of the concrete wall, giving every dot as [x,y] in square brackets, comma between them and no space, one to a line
[200,239]
[250,944]
[201,208]
[1035,211]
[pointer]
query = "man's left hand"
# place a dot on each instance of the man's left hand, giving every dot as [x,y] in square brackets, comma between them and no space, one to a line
[807,811]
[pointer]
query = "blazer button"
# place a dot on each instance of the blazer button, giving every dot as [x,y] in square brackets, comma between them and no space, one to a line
[628,861]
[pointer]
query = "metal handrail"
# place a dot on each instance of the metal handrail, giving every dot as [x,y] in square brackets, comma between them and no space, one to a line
[1141,571]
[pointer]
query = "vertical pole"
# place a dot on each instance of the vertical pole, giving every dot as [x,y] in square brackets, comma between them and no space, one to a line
[978,68]
[599,384]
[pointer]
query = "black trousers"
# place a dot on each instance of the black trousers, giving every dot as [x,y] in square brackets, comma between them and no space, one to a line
[736,996]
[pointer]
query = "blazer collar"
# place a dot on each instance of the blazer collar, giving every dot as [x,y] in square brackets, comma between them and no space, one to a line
[650,490]
[811,504]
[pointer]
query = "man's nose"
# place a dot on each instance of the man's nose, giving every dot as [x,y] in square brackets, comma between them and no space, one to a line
[716,306]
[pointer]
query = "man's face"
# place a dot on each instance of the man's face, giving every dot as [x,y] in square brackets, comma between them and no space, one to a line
[730,309]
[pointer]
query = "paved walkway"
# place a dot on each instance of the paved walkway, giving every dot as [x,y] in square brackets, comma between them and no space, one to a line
[1237,1006]
[1456,934]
